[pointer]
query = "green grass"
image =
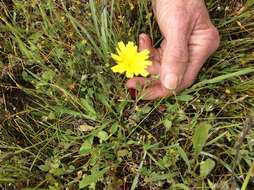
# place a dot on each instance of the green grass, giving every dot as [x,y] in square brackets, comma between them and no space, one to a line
[68,122]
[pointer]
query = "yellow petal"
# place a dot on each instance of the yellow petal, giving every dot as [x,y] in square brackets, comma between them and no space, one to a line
[121,46]
[145,51]
[144,73]
[148,63]
[144,55]
[129,74]
[117,69]
[131,45]
[116,57]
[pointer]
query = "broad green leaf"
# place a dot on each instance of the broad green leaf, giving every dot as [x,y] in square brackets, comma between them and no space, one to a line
[86,147]
[206,167]
[102,135]
[200,137]
[114,128]
[93,178]
[95,156]
[168,124]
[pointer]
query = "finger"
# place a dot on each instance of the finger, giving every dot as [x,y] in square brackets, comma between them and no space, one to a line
[156,90]
[174,59]
[155,68]
[203,44]
[145,42]
[200,50]
[153,91]
[175,54]
[137,82]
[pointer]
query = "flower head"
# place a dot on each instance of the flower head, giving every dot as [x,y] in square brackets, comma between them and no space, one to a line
[131,61]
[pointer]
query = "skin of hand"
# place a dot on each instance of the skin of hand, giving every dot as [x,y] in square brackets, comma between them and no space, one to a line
[189,38]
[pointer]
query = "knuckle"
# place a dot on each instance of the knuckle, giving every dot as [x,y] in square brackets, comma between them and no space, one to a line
[178,57]
[215,37]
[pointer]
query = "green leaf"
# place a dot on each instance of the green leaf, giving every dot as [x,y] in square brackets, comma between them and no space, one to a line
[35,37]
[114,128]
[146,110]
[211,185]
[222,78]
[93,178]
[156,177]
[184,156]
[88,107]
[200,137]
[57,171]
[48,75]
[95,156]
[104,100]
[44,168]
[4,180]
[249,3]
[59,52]
[168,124]
[165,162]
[179,186]
[122,153]
[185,98]
[86,147]
[206,167]
[26,76]
[63,110]
[102,135]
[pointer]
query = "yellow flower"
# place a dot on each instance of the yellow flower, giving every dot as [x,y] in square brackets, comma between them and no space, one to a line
[131,61]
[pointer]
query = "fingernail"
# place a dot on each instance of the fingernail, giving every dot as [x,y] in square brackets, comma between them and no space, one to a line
[170,81]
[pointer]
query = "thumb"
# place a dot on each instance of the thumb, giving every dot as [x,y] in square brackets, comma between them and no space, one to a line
[174,62]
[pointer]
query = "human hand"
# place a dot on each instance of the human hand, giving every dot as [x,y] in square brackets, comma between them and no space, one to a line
[189,39]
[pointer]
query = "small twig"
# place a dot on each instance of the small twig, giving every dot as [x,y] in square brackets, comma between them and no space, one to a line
[244,133]
[249,125]
[234,102]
